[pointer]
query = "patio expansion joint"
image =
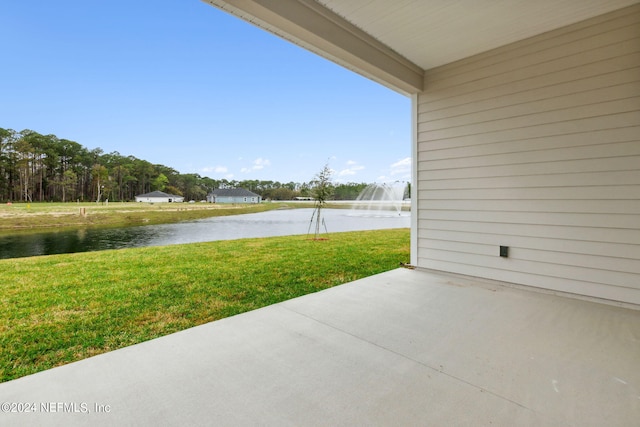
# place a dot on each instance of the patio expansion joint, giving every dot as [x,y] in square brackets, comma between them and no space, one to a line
[411,359]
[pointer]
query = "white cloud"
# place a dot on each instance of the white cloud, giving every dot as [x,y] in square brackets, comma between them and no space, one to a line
[216,169]
[256,165]
[401,167]
[352,168]
[260,163]
[350,171]
[398,171]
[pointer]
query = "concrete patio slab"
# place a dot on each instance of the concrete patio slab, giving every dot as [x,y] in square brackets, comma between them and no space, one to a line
[404,347]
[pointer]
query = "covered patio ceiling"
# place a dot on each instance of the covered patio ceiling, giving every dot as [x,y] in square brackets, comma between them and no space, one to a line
[394,42]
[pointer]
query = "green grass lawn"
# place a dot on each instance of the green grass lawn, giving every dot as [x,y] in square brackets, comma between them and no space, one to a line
[62,308]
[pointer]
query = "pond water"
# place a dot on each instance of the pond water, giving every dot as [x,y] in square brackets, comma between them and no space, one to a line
[265,224]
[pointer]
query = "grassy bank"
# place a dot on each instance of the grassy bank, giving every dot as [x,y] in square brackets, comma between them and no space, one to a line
[62,308]
[40,216]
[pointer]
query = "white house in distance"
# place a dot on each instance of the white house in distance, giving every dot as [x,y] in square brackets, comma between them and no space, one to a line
[233,195]
[159,197]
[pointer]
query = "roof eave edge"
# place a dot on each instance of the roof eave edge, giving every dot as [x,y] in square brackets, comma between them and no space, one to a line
[320,30]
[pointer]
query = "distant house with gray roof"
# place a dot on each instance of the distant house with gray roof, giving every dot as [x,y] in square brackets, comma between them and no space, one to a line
[159,197]
[233,195]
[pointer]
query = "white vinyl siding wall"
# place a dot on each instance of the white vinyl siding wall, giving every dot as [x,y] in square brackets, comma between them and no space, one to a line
[536,146]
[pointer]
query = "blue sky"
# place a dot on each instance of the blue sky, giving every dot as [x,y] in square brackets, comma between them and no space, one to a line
[183,84]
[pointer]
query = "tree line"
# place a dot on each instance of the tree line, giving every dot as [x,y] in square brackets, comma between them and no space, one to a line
[45,168]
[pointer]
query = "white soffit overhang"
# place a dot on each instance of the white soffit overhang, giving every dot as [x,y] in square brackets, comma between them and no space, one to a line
[393,42]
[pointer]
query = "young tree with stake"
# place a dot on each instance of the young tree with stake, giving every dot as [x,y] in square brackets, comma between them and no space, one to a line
[321,191]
